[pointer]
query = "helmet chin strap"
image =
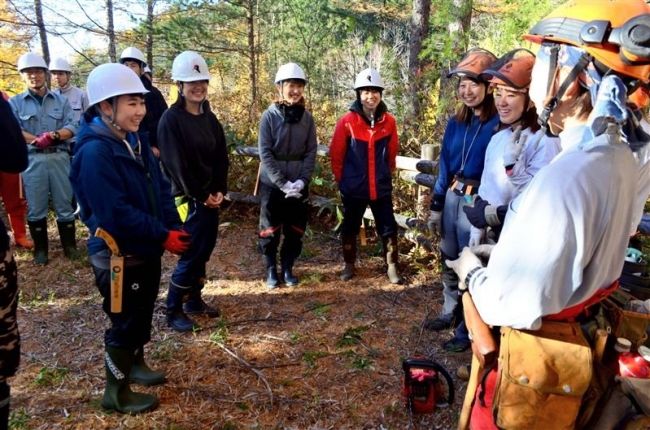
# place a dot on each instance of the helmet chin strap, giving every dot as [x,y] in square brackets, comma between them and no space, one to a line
[110,120]
[553,101]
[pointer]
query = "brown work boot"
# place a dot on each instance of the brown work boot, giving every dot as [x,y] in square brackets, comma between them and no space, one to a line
[349,245]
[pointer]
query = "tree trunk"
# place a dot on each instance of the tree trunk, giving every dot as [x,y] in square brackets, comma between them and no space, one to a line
[250,20]
[458,28]
[419,31]
[149,39]
[42,32]
[110,30]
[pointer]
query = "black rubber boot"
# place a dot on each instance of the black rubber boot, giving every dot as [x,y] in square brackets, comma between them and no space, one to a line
[272,280]
[4,405]
[391,253]
[118,395]
[195,305]
[142,374]
[287,273]
[176,318]
[349,245]
[38,230]
[68,241]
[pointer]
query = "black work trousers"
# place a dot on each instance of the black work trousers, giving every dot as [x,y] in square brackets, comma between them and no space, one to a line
[282,216]
[382,211]
[131,328]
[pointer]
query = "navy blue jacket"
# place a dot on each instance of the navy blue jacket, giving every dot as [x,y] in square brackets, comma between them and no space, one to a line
[128,198]
[475,136]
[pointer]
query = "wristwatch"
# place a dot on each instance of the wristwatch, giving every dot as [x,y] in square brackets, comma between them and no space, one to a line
[55,135]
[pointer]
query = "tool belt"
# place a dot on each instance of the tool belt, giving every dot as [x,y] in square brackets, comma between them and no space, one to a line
[542,376]
[102,260]
[463,186]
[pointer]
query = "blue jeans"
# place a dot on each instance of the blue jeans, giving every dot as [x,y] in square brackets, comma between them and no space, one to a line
[47,174]
[202,224]
[455,236]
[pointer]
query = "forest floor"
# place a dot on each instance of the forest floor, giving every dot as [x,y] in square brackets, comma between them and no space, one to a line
[325,354]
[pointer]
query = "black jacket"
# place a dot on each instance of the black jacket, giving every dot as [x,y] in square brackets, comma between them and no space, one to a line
[156,105]
[193,152]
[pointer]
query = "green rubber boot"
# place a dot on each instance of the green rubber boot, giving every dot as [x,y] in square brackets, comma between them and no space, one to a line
[118,395]
[142,374]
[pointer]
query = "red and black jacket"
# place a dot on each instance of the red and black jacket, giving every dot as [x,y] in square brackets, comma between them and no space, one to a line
[362,155]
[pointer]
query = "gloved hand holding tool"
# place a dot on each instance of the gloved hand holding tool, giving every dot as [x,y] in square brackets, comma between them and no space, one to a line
[43,140]
[464,266]
[482,214]
[299,185]
[513,149]
[177,242]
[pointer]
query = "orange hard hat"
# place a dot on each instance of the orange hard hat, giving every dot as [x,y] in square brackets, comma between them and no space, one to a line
[615,32]
[513,70]
[474,62]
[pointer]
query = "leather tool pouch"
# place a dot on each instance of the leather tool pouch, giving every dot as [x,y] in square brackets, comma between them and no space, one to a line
[625,323]
[542,377]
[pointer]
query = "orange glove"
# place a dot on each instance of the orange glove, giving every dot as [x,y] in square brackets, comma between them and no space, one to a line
[177,242]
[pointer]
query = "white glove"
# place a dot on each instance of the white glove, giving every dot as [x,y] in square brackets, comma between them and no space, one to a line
[475,236]
[464,264]
[435,222]
[287,187]
[513,149]
[482,251]
[299,185]
[293,194]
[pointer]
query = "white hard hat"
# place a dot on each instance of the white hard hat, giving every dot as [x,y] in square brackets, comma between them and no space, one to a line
[290,71]
[368,78]
[31,59]
[132,53]
[60,64]
[110,80]
[188,66]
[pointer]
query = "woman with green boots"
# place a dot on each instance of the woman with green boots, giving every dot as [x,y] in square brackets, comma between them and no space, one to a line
[120,189]
[363,153]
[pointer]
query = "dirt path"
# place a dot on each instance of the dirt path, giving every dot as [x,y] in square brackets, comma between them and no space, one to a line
[328,354]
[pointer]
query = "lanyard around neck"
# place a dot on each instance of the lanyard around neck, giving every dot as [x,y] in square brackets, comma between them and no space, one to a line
[464,156]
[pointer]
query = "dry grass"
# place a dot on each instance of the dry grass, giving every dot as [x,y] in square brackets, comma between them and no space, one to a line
[294,338]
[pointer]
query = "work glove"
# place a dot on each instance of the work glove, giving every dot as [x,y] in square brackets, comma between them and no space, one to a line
[299,185]
[512,150]
[476,212]
[287,187]
[43,140]
[475,236]
[482,251]
[293,194]
[463,265]
[177,242]
[435,222]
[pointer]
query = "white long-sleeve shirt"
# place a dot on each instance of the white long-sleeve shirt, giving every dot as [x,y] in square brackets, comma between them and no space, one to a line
[643,159]
[564,237]
[499,188]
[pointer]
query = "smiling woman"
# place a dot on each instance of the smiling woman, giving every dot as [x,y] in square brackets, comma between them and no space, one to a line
[121,190]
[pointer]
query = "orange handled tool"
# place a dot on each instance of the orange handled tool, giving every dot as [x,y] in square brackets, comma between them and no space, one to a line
[117,269]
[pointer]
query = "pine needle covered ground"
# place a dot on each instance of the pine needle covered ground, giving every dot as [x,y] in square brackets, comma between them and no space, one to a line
[322,355]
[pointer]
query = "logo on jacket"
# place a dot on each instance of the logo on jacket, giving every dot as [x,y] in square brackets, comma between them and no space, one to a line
[197,68]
